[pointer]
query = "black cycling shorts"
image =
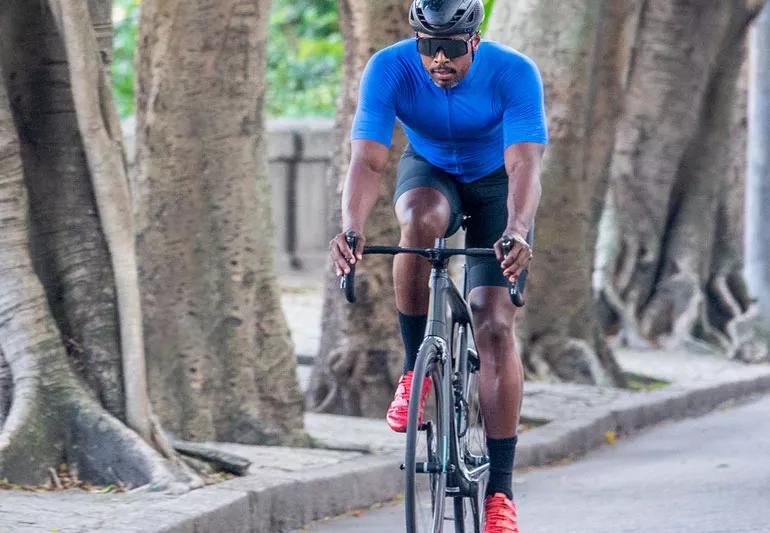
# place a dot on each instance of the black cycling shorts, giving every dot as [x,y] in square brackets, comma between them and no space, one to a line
[484,200]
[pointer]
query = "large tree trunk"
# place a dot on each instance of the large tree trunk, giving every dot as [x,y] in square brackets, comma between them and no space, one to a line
[758,186]
[678,161]
[222,365]
[361,354]
[582,49]
[64,332]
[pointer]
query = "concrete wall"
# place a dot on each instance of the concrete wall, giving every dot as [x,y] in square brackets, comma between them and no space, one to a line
[299,152]
[299,155]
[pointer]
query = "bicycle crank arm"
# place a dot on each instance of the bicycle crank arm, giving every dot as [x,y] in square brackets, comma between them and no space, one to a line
[429,468]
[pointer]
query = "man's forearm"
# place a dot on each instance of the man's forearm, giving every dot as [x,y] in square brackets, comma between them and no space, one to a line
[524,191]
[359,195]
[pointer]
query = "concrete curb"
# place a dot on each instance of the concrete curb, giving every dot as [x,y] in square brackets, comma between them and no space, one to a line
[251,504]
[275,505]
[566,438]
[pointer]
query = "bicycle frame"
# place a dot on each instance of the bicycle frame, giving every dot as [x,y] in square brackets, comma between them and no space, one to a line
[445,295]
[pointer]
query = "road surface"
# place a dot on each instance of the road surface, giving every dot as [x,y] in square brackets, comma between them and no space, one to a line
[705,475]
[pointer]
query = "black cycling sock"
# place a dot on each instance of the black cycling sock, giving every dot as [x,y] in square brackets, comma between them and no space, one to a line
[501,454]
[412,333]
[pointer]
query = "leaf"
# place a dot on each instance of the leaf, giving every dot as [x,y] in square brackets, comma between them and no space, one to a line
[610,437]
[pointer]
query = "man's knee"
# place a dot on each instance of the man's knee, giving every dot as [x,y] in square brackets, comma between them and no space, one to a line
[493,324]
[423,216]
[494,333]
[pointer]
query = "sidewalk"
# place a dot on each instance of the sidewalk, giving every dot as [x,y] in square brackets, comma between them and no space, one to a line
[357,463]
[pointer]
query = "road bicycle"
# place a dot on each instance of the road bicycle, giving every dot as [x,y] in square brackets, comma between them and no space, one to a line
[446,453]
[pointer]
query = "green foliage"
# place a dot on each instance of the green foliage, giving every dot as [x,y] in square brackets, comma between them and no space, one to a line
[488,5]
[125,20]
[641,383]
[304,58]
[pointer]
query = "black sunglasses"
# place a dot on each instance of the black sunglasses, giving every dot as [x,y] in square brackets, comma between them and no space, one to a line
[452,47]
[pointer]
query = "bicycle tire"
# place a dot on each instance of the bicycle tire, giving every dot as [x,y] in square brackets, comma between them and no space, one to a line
[471,436]
[435,418]
[460,513]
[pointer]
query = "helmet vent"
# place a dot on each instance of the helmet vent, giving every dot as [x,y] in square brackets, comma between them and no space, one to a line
[460,13]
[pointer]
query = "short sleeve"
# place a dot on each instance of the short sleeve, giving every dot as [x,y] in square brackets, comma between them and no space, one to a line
[524,117]
[376,113]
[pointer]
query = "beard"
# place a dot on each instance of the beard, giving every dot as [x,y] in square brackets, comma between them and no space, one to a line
[444,77]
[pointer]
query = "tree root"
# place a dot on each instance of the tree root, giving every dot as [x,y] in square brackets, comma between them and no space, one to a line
[684,314]
[48,427]
[629,324]
[567,359]
[30,443]
[107,452]
[670,316]
[330,399]
[6,388]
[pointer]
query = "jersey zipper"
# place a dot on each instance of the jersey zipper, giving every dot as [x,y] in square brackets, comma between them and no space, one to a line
[451,133]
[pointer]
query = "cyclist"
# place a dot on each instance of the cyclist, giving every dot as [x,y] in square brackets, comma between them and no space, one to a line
[474,116]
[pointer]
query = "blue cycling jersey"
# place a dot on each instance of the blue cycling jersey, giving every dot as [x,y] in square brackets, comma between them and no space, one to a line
[463,130]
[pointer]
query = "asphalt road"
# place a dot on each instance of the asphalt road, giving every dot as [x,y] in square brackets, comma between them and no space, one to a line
[704,475]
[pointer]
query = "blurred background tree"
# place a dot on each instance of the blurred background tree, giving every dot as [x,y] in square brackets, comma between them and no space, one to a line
[305,52]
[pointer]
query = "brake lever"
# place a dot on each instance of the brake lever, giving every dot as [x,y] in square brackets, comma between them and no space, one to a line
[513,288]
[347,281]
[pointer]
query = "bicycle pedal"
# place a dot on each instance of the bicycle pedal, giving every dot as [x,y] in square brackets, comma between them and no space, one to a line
[428,468]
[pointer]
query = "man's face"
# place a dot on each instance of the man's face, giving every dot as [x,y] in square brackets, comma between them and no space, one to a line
[447,73]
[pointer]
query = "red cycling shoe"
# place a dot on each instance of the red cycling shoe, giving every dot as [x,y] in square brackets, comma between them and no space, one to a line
[500,514]
[398,412]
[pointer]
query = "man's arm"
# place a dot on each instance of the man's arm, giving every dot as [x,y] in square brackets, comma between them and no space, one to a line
[522,164]
[359,194]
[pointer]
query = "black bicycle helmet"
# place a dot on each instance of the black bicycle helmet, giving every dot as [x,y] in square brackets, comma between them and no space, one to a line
[446,17]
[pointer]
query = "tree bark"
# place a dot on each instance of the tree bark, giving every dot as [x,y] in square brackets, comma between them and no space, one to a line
[222,365]
[361,354]
[6,388]
[583,50]
[49,415]
[68,248]
[100,129]
[758,186]
[676,278]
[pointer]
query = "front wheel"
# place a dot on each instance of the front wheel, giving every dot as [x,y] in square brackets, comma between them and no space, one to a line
[426,458]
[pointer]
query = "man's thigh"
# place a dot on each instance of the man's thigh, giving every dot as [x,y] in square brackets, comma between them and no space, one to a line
[417,184]
[486,202]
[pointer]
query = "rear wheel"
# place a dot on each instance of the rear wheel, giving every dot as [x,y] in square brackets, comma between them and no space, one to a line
[469,511]
[471,448]
[462,514]
[426,448]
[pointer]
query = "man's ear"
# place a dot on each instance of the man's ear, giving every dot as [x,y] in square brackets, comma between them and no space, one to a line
[476,41]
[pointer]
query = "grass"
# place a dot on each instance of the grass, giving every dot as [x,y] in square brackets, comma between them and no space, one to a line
[642,383]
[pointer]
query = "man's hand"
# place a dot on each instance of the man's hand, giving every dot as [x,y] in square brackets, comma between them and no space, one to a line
[342,256]
[517,259]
